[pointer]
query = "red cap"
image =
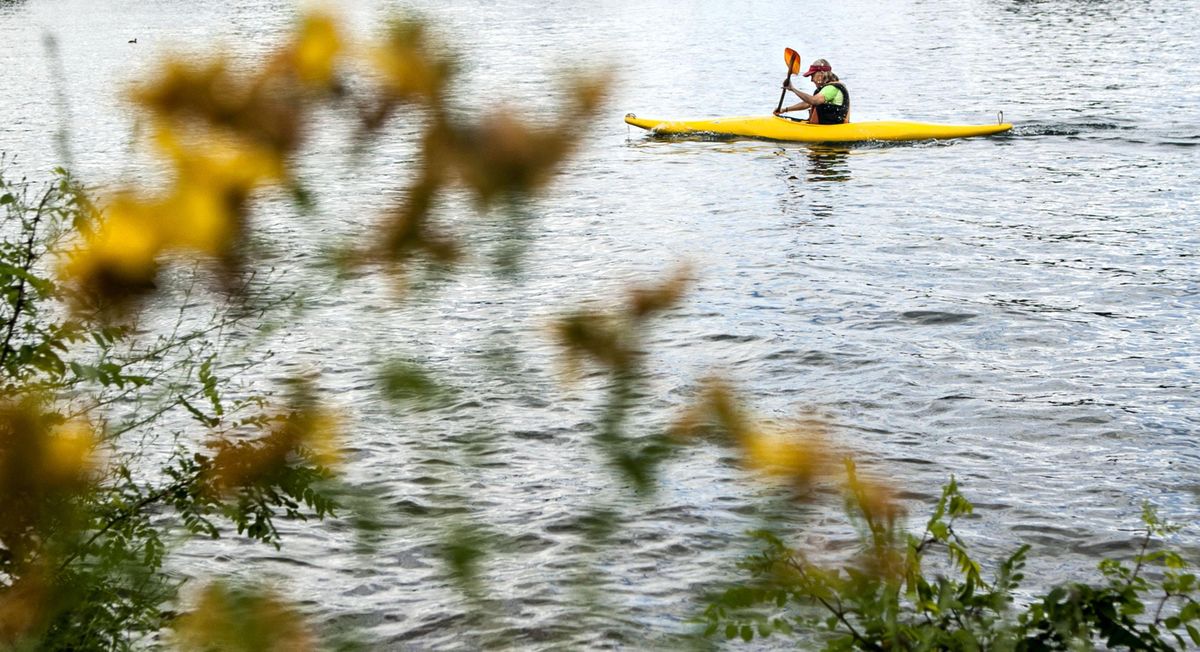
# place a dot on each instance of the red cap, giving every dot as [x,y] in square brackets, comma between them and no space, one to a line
[815,68]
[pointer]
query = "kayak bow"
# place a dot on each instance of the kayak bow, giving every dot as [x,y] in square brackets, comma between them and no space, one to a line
[772,127]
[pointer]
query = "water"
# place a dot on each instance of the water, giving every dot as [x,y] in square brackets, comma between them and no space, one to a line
[1019,311]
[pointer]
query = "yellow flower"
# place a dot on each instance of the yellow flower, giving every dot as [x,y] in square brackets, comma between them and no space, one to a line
[202,218]
[215,175]
[68,452]
[315,52]
[130,238]
[219,159]
[242,618]
[407,67]
[123,247]
[797,454]
[323,437]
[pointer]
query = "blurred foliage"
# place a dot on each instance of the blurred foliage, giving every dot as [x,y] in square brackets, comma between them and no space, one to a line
[237,618]
[613,342]
[91,515]
[226,134]
[408,382]
[883,598]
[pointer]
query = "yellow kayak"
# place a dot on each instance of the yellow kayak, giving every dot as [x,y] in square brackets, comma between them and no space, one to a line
[771,127]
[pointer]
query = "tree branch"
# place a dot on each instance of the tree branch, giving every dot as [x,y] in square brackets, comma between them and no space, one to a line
[26,265]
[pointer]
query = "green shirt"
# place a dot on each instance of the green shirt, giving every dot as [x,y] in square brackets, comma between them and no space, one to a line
[832,94]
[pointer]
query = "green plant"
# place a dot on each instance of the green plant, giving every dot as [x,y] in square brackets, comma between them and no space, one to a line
[116,440]
[883,598]
[85,534]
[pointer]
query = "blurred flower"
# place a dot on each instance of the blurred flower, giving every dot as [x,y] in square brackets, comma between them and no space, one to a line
[798,453]
[504,156]
[69,452]
[716,413]
[322,438]
[409,232]
[406,61]
[314,53]
[222,161]
[118,255]
[239,618]
[44,469]
[645,301]
[876,501]
[39,455]
[24,608]
[206,209]
[611,339]
[204,217]
[588,92]
[594,336]
[208,100]
[308,432]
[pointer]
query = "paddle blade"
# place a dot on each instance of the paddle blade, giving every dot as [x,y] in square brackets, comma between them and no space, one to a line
[793,60]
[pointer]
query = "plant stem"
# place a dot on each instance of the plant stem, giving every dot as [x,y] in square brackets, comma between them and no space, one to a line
[1141,557]
[26,265]
[137,507]
[1161,603]
[839,611]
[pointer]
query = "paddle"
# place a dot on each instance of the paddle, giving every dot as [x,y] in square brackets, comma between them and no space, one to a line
[793,63]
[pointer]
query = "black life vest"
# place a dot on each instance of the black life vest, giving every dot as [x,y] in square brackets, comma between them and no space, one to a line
[832,114]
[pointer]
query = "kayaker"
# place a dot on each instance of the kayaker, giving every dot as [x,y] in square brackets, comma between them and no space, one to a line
[830,104]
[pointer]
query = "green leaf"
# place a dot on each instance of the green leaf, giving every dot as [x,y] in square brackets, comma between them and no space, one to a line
[209,381]
[200,416]
[11,273]
[1190,611]
[1194,634]
[1173,560]
[405,381]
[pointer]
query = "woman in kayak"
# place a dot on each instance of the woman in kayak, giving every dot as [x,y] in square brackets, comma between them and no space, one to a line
[830,105]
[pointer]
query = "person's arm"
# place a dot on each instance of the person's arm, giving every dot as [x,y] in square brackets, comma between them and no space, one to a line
[795,107]
[807,101]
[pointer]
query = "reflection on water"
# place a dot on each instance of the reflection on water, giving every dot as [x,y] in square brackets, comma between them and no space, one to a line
[806,180]
[828,163]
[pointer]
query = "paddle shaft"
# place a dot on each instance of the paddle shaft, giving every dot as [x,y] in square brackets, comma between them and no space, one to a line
[783,93]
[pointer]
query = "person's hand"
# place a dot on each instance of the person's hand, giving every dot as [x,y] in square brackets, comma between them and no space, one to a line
[777,112]
[787,83]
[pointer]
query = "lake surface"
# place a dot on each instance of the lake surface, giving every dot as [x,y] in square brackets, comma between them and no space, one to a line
[1020,311]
